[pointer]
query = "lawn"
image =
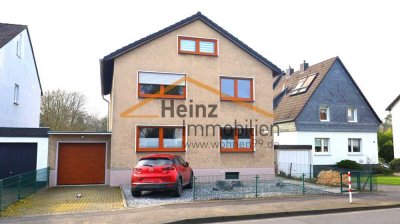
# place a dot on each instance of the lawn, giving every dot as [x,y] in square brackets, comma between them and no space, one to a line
[389,180]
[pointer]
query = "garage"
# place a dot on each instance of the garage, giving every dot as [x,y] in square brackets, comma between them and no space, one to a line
[17,158]
[81,163]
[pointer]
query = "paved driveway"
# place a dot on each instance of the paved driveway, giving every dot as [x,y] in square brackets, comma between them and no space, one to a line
[64,200]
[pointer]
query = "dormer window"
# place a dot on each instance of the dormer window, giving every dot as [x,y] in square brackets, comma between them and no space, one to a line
[198,46]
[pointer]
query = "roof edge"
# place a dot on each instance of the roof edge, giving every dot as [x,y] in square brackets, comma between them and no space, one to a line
[392,104]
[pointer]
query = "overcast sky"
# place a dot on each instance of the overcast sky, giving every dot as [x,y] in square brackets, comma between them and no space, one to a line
[69,37]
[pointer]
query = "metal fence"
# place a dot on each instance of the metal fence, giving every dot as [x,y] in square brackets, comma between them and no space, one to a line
[15,188]
[362,181]
[254,186]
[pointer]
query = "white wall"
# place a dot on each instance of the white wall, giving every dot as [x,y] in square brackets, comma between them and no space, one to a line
[42,148]
[396,129]
[337,146]
[21,71]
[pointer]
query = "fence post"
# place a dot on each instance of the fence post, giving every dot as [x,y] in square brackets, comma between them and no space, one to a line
[1,193]
[19,186]
[36,174]
[194,188]
[48,176]
[303,189]
[257,185]
[341,183]
[310,171]
[290,170]
[370,181]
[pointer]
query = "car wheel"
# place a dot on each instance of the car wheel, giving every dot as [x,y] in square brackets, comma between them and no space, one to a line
[179,188]
[136,193]
[190,185]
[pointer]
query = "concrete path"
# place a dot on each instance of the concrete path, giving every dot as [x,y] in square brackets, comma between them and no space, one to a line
[214,211]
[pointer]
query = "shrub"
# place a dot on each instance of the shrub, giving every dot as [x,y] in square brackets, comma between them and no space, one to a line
[395,165]
[382,170]
[349,164]
[331,178]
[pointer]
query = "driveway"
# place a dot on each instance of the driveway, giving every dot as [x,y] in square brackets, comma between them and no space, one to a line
[64,200]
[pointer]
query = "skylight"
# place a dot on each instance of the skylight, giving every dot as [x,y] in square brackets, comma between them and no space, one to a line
[303,84]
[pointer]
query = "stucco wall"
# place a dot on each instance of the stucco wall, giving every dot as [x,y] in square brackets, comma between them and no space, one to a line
[338,92]
[161,55]
[396,129]
[338,142]
[21,71]
[54,139]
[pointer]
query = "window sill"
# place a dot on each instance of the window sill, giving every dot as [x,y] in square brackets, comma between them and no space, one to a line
[236,150]
[237,100]
[355,154]
[198,53]
[324,120]
[163,97]
[352,121]
[160,150]
[322,154]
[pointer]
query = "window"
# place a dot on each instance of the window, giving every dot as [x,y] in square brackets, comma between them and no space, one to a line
[161,85]
[19,46]
[239,89]
[199,46]
[324,113]
[16,94]
[303,84]
[354,145]
[322,145]
[352,114]
[237,139]
[168,139]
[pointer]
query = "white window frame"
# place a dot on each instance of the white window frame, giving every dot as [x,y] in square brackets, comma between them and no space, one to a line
[352,145]
[323,140]
[328,114]
[19,46]
[355,116]
[16,94]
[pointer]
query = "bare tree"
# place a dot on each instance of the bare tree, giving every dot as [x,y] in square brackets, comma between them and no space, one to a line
[65,111]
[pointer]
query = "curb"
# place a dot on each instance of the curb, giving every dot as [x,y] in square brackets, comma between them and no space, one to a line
[281,214]
[123,197]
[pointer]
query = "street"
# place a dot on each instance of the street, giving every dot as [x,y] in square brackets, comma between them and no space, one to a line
[386,216]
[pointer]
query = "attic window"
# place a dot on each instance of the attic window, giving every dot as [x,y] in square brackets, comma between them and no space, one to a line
[303,84]
[199,46]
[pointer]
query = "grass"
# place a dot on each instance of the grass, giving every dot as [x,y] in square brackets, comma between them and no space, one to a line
[389,180]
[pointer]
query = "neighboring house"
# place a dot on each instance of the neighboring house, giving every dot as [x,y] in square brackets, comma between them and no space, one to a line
[394,109]
[321,110]
[23,145]
[183,69]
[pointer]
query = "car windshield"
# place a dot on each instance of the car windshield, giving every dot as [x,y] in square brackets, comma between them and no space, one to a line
[154,162]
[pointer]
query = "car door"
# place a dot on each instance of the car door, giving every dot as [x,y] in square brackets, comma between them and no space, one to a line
[185,170]
[181,168]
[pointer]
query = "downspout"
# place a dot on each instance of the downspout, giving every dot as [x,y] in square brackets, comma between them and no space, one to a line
[108,111]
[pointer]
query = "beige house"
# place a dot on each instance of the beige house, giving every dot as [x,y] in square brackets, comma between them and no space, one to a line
[191,89]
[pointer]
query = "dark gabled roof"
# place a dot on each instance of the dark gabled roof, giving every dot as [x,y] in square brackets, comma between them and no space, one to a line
[107,63]
[290,107]
[389,108]
[8,32]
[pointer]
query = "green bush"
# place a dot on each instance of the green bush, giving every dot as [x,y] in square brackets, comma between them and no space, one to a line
[349,164]
[382,170]
[395,165]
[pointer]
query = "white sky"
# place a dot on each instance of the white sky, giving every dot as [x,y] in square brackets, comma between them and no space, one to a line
[69,37]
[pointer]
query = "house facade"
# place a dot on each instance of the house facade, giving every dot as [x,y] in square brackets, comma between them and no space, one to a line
[191,89]
[23,145]
[321,106]
[394,109]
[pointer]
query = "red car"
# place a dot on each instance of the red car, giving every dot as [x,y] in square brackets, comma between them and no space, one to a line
[161,172]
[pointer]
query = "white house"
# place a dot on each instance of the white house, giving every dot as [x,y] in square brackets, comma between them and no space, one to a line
[23,145]
[323,117]
[394,109]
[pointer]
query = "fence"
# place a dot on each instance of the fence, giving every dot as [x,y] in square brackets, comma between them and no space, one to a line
[254,186]
[15,188]
[363,180]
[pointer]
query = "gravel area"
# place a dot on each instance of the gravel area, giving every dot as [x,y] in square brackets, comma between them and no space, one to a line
[210,191]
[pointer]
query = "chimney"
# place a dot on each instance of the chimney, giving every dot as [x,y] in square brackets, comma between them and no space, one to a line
[303,66]
[289,71]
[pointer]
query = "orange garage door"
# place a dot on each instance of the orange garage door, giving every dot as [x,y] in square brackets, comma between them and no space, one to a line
[81,163]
